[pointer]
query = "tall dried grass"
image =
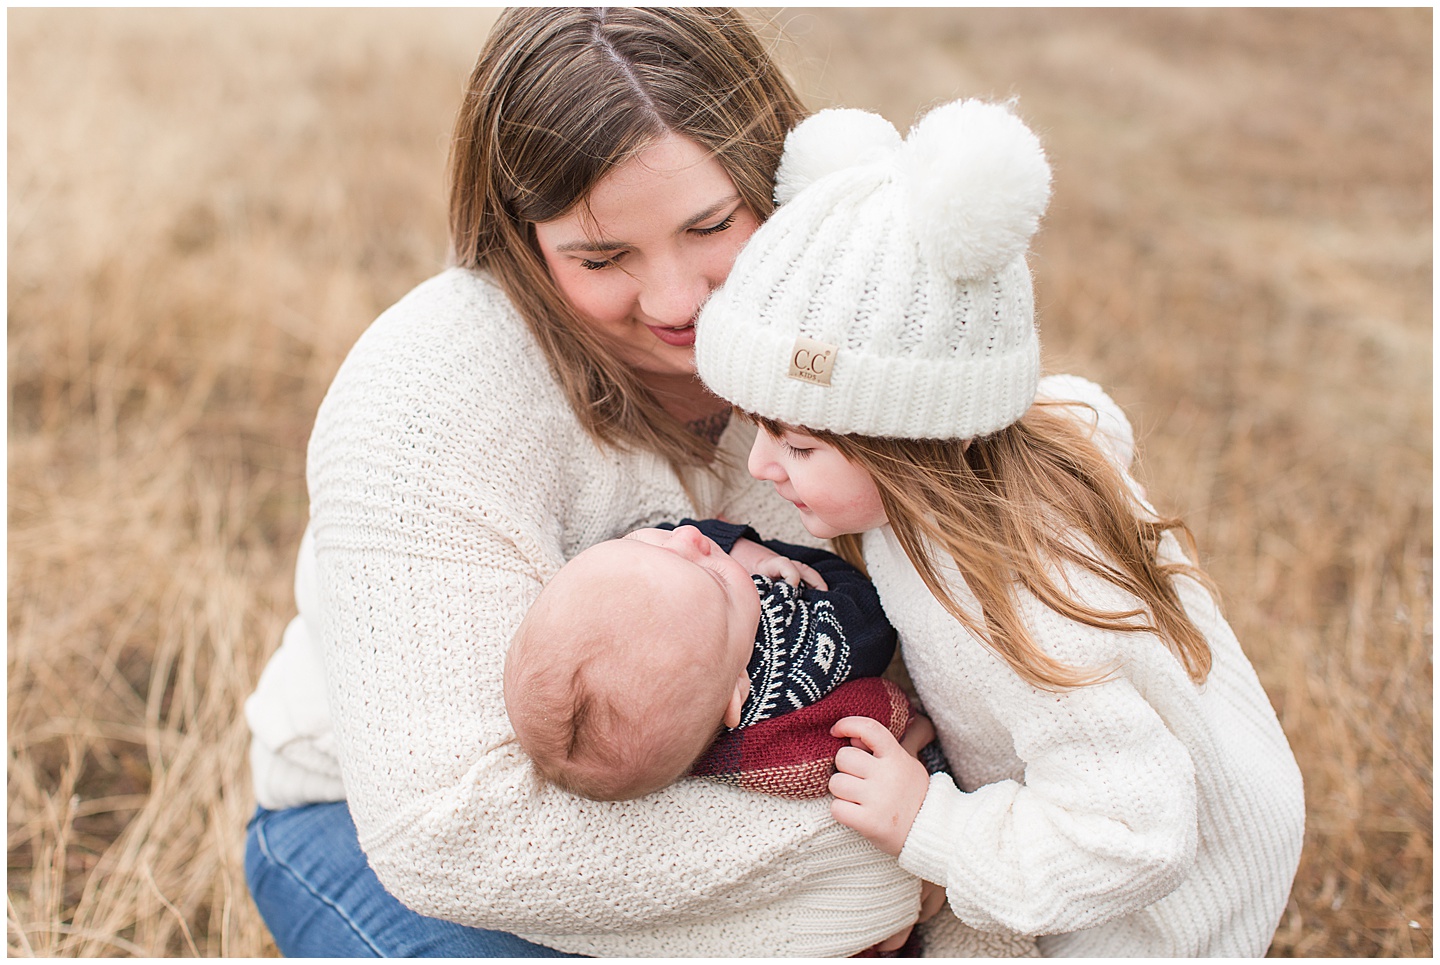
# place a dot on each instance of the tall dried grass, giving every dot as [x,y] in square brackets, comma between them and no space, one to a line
[206,207]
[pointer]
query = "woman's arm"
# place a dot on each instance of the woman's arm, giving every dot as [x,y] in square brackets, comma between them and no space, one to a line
[439,510]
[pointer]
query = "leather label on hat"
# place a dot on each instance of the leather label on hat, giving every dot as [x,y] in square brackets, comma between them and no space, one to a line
[812,361]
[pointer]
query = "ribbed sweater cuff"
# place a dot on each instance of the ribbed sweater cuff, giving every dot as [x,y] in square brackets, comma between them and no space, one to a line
[281,783]
[929,843]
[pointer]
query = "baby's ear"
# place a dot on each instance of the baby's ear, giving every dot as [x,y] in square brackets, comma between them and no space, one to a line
[737,700]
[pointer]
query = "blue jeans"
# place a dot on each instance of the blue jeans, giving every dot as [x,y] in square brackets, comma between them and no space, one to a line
[320,899]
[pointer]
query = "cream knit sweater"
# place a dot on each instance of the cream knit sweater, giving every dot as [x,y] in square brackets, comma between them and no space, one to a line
[448,481]
[1142,816]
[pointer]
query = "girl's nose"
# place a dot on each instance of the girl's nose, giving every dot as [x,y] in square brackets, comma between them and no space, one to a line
[762,464]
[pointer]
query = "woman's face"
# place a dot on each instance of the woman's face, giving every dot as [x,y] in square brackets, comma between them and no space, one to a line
[658,235]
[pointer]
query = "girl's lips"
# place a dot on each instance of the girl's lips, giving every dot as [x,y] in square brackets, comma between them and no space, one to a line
[680,337]
[794,502]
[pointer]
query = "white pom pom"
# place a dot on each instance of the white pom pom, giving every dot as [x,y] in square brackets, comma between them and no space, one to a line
[829,141]
[977,183]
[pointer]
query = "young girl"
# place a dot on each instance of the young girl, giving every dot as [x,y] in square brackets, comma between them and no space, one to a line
[1122,785]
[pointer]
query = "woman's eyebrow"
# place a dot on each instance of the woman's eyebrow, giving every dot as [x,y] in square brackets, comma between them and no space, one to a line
[594,245]
[597,245]
[710,212]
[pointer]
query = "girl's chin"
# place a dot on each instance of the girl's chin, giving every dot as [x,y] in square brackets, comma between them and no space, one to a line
[818,529]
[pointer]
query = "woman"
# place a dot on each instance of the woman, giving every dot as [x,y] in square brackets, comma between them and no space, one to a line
[533,400]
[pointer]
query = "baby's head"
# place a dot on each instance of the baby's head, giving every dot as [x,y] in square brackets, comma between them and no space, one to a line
[630,661]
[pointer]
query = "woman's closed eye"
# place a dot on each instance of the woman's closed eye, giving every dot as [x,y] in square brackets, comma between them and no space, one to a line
[716,228]
[599,263]
[799,452]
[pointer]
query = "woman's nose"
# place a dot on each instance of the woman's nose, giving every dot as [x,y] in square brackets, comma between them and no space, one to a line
[672,294]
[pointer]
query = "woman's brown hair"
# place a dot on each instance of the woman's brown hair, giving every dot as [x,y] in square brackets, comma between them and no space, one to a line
[1007,508]
[561,96]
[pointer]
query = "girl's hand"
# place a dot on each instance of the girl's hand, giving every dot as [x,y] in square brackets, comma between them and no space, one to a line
[765,562]
[878,786]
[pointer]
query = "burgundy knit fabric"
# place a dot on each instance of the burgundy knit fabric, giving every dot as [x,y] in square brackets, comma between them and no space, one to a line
[793,755]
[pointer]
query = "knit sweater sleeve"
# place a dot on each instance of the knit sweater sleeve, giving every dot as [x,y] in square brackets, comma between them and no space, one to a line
[448,482]
[1104,821]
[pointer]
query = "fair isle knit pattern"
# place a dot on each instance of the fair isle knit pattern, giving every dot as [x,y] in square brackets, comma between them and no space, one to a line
[818,657]
[807,641]
[784,676]
[448,481]
[1144,816]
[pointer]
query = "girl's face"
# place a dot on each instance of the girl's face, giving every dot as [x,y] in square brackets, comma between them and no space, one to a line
[658,235]
[833,495]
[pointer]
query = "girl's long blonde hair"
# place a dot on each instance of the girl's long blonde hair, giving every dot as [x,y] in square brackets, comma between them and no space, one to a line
[1007,508]
[560,97]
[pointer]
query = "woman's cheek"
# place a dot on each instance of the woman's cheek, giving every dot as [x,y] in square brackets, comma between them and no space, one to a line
[595,299]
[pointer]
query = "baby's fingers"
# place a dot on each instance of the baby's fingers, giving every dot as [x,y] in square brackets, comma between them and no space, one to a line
[810,576]
[780,568]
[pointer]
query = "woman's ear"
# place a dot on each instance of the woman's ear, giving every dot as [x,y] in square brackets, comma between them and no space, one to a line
[737,700]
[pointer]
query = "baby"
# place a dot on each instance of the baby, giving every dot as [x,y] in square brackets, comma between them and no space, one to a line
[642,650]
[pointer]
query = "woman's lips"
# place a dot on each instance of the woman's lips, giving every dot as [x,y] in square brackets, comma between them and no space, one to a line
[680,337]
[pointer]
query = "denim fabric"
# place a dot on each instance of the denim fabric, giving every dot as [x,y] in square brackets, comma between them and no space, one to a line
[320,899]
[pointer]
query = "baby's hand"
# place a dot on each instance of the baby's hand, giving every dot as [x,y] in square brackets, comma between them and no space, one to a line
[878,786]
[766,562]
[794,572]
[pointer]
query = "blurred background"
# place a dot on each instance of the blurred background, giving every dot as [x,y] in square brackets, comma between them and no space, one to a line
[206,208]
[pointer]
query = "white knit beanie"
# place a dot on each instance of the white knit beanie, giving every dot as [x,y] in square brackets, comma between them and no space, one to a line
[888,295]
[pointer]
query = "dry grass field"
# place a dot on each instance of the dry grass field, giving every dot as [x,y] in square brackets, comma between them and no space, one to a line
[207,207]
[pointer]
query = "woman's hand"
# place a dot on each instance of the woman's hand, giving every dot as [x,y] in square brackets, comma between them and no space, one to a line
[878,785]
[766,562]
[919,732]
[932,899]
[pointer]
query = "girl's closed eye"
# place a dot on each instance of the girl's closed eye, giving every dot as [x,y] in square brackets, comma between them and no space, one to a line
[799,452]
